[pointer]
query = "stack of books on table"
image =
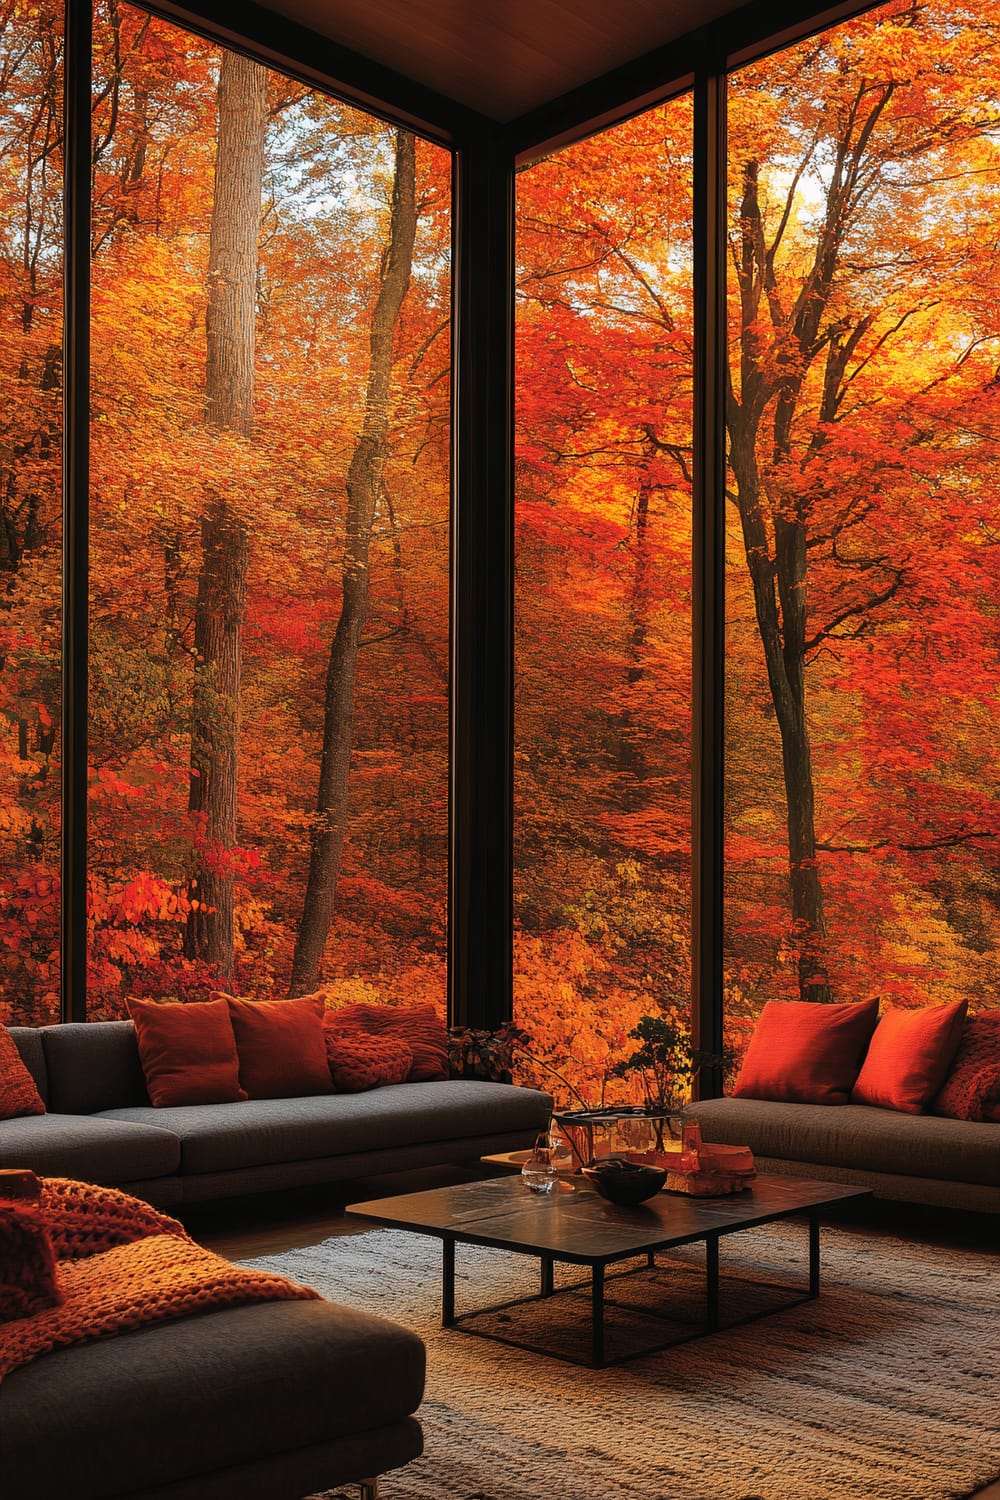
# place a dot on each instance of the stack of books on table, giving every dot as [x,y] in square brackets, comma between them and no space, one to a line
[711,1171]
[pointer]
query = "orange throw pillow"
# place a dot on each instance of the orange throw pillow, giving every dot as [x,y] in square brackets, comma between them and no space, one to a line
[419,1026]
[805,1052]
[18,1091]
[187,1051]
[359,1062]
[971,1090]
[909,1056]
[281,1046]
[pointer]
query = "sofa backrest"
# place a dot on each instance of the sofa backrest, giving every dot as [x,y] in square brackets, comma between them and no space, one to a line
[28,1041]
[92,1065]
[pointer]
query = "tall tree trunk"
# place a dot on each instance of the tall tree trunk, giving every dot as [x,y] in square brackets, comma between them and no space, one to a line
[775,371]
[631,751]
[364,480]
[778,571]
[220,605]
[783,639]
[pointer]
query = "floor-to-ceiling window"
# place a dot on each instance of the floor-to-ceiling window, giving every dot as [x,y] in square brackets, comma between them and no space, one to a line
[30,508]
[602,736]
[269,537]
[269,531]
[270,522]
[863,518]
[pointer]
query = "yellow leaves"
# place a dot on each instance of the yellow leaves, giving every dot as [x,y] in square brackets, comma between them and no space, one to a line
[351,991]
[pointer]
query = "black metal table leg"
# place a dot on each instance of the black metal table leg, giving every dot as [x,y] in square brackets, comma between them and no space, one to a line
[597,1318]
[813,1256]
[448,1283]
[711,1282]
[547,1285]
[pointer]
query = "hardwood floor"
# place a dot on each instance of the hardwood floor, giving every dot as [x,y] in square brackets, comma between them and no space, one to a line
[245,1228]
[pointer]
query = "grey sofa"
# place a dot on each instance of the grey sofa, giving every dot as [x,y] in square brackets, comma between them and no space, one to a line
[101,1127]
[906,1158]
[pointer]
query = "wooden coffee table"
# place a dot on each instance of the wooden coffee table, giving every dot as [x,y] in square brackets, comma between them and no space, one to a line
[574,1225]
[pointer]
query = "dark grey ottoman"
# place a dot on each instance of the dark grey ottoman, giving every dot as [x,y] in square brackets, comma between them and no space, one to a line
[272,1401]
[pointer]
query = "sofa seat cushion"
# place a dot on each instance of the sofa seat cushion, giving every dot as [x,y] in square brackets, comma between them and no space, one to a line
[222,1137]
[859,1136]
[161,1404]
[90,1148]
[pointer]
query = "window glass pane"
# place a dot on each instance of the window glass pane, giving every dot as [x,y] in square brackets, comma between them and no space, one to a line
[861,759]
[602,597]
[30,508]
[270,534]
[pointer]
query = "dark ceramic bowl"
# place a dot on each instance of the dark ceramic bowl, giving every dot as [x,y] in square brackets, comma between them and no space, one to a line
[626,1183]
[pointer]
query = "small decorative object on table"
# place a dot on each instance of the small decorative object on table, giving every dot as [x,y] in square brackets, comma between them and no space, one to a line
[539,1172]
[620,1130]
[666,1064]
[709,1171]
[626,1183]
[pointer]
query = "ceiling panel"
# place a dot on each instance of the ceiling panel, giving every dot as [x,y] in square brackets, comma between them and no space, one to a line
[502,57]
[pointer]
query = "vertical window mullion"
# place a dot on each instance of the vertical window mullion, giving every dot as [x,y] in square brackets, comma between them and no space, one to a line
[708,562]
[76,467]
[481,888]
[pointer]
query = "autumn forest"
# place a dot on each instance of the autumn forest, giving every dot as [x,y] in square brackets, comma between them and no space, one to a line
[269,529]
[862,543]
[270,537]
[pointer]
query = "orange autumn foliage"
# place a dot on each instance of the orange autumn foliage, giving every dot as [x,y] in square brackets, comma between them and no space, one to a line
[862,679]
[156,464]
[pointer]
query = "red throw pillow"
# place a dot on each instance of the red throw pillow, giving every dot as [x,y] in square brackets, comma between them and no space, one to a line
[18,1091]
[187,1051]
[805,1052]
[908,1057]
[971,1090]
[358,1061]
[29,1280]
[419,1026]
[281,1046]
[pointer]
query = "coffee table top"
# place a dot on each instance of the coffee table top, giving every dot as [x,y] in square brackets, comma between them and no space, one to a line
[574,1223]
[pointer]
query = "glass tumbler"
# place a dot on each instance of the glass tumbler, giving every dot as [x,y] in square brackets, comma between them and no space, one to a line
[539,1171]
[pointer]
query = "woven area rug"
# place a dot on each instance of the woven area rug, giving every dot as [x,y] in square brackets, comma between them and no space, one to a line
[886,1388]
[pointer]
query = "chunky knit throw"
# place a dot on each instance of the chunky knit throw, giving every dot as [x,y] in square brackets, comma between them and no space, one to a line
[123,1265]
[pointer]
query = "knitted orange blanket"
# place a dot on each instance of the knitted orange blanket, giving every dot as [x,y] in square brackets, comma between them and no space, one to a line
[122,1265]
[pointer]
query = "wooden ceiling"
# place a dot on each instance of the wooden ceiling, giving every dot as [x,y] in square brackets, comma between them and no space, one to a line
[502,57]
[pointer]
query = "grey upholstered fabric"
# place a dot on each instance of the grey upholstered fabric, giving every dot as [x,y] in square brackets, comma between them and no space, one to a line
[221,1137]
[935,1192]
[93,1066]
[289,1476]
[161,1192]
[857,1136]
[28,1041]
[233,1387]
[202,1187]
[92,1149]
